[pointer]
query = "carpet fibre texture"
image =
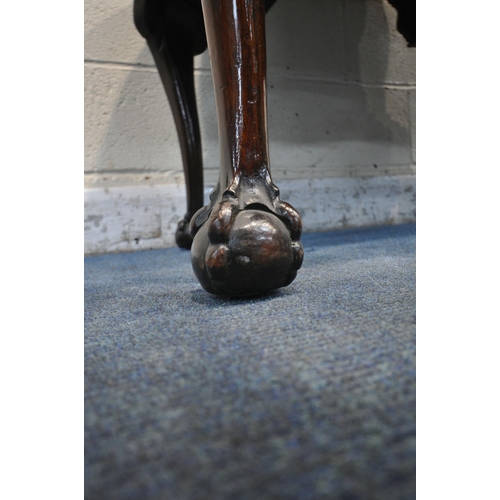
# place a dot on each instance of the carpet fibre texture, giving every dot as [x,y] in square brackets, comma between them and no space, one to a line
[305,393]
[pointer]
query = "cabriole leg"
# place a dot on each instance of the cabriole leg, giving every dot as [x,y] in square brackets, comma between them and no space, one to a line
[246,240]
[175,32]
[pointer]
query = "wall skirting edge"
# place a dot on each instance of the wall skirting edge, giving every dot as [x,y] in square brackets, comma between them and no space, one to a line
[123,219]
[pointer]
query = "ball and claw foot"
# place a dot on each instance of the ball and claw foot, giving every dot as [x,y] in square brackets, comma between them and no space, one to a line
[250,251]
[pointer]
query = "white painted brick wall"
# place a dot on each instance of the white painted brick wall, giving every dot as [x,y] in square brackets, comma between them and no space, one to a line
[341,90]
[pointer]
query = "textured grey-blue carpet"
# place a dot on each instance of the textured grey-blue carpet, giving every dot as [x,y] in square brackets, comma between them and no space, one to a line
[305,393]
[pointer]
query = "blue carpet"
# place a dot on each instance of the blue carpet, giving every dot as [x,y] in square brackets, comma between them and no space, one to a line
[305,393]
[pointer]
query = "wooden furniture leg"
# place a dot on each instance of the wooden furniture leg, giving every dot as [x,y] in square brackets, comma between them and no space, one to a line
[175,33]
[246,240]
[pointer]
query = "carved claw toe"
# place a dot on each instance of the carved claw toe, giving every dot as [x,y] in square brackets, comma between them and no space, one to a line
[246,252]
[183,236]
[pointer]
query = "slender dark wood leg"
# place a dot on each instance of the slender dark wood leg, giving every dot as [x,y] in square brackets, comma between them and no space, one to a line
[176,74]
[174,32]
[246,240]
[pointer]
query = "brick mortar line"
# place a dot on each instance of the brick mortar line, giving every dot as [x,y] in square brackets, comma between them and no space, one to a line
[270,74]
[361,171]
[336,81]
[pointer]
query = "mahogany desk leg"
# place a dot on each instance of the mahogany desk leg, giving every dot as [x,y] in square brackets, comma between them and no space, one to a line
[175,34]
[176,73]
[246,240]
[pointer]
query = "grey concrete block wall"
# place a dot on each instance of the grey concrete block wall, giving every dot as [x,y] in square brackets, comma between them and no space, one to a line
[341,92]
